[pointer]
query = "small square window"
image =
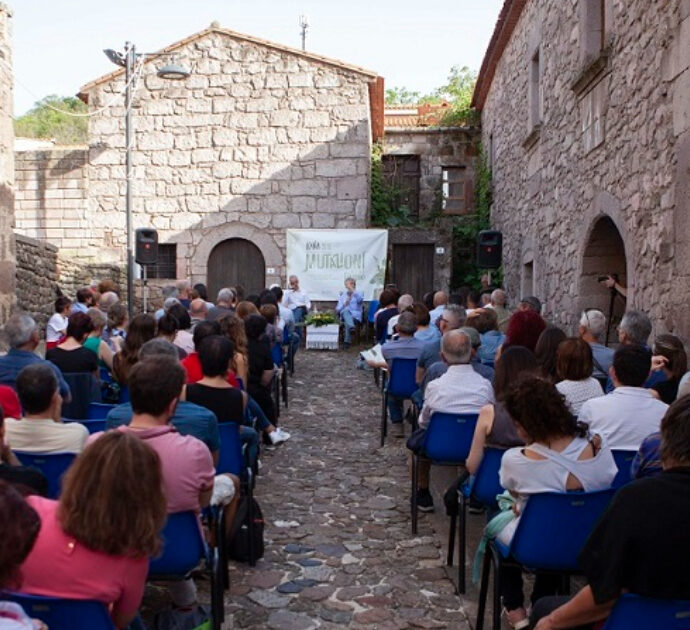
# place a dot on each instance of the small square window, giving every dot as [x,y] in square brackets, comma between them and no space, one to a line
[166,265]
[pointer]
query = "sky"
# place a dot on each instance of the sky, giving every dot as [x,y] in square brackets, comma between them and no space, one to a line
[57,45]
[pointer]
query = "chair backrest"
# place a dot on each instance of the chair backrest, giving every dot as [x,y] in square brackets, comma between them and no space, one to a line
[105,375]
[183,546]
[124,394]
[277,354]
[634,611]
[85,389]
[487,483]
[230,458]
[64,614]
[624,461]
[555,525]
[401,378]
[52,465]
[448,437]
[97,425]
[99,411]
[371,310]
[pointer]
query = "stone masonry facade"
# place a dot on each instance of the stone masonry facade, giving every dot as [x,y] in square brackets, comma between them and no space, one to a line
[258,139]
[7,245]
[575,138]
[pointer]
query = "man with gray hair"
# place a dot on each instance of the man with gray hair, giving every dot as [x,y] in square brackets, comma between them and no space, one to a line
[22,336]
[498,304]
[404,347]
[169,293]
[225,303]
[440,302]
[404,301]
[592,328]
[635,328]
[107,299]
[197,311]
[349,308]
[452,318]
[459,390]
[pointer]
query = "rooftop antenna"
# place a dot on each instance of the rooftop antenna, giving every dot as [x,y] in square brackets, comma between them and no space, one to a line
[304,25]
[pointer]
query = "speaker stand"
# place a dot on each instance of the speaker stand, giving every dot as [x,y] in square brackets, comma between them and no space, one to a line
[145,288]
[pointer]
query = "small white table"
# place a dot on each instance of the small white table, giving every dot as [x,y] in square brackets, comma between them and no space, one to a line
[323,337]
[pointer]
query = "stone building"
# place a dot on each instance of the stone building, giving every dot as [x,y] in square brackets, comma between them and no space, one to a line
[258,139]
[585,110]
[7,244]
[434,168]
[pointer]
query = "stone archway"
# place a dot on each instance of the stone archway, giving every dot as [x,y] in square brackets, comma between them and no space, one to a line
[603,254]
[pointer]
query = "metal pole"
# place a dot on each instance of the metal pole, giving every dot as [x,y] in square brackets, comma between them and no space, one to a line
[145,291]
[129,69]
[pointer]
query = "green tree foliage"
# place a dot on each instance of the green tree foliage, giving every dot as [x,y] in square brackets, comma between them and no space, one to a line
[42,121]
[386,209]
[401,96]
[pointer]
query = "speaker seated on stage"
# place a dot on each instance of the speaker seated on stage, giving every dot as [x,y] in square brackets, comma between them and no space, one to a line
[349,308]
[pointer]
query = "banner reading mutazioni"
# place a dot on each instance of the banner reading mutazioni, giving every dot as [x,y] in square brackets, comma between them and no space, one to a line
[323,259]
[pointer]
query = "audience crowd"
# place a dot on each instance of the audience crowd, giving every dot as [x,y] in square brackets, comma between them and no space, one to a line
[560,407]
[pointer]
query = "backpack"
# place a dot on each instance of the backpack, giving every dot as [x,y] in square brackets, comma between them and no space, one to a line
[238,539]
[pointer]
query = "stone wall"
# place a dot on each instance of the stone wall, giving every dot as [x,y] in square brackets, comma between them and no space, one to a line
[258,139]
[613,143]
[7,244]
[37,278]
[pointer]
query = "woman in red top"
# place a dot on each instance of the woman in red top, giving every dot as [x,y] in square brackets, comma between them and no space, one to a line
[97,539]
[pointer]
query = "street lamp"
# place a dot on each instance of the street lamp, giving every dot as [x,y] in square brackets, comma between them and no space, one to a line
[172,72]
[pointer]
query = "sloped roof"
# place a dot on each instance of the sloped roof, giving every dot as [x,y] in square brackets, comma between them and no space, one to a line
[505,25]
[414,116]
[369,74]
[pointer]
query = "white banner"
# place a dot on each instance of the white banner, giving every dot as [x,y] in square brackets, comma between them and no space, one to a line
[323,259]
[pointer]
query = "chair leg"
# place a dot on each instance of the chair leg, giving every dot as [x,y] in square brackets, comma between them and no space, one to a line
[284,385]
[250,532]
[462,542]
[451,539]
[413,497]
[377,374]
[384,417]
[497,590]
[483,589]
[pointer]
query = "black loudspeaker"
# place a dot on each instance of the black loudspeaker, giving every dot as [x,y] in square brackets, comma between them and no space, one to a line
[489,249]
[146,252]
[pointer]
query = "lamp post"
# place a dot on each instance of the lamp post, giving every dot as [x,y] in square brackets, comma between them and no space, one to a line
[172,72]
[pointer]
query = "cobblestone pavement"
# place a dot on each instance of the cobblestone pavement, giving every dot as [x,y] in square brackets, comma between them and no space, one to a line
[339,553]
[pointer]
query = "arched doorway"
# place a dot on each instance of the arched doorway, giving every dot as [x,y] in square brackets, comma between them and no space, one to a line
[604,254]
[236,261]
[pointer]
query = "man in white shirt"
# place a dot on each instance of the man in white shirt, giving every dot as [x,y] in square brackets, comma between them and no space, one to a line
[459,390]
[42,430]
[296,300]
[630,413]
[440,301]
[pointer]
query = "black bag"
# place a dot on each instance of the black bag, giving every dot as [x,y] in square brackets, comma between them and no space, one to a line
[238,540]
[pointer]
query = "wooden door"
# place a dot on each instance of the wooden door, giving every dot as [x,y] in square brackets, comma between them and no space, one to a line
[236,261]
[412,269]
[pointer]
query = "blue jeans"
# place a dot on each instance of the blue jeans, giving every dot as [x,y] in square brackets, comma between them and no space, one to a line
[250,437]
[349,321]
[395,408]
[255,411]
[299,313]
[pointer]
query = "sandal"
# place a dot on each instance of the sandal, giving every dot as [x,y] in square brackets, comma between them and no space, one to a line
[516,618]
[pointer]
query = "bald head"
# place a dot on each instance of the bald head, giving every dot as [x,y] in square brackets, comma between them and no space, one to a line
[198,308]
[440,298]
[405,301]
[498,297]
[456,347]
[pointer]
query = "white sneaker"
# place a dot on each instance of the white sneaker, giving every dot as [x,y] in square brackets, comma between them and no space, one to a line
[278,436]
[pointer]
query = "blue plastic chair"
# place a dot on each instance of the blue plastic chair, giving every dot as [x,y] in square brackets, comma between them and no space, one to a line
[64,614]
[85,389]
[99,411]
[280,382]
[447,441]
[94,426]
[401,382]
[184,548]
[52,465]
[371,311]
[124,394]
[483,488]
[634,611]
[550,534]
[624,461]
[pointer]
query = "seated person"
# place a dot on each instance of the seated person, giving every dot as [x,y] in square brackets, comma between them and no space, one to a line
[11,470]
[485,320]
[270,313]
[439,302]
[115,332]
[560,456]
[191,362]
[629,413]
[637,546]
[261,368]
[9,402]
[574,366]
[94,342]
[155,387]
[184,337]
[498,304]
[459,390]
[349,308]
[592,329]
[70,355]
[57,324]
[22,335]
[524,328]
[404,347]
[495,427]
[546,351]
[425,332]
[670,353]
[142,328]
[19,524]
[404,301]
[42,430]
[197,312]
[188,418]
[387,310]
[98,537]
[168,327]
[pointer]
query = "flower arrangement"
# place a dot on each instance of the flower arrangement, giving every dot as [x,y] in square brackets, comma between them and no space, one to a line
[320,319]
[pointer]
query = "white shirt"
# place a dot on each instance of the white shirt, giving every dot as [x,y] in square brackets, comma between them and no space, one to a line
[578,392]
[391,325]
[57,325]
[625,417]
[459,390]
[292,299]
[436,313]
[44,435]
